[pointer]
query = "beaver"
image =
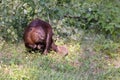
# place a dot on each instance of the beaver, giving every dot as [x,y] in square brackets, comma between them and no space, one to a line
[38,36]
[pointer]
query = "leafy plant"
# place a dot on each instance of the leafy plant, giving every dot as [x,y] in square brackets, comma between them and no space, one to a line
[101,16]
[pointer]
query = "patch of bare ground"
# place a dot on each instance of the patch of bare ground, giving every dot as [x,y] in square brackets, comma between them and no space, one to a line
[116,62]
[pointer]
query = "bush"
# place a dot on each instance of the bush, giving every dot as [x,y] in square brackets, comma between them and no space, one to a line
[100,16]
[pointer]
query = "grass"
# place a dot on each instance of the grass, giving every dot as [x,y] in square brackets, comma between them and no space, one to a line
[85,61]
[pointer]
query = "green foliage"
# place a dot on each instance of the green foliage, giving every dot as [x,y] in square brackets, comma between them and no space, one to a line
[106,46]
[13,20]
[87,59]
[99,15]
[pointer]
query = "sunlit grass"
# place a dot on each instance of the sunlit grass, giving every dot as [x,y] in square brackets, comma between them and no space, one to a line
[81,63]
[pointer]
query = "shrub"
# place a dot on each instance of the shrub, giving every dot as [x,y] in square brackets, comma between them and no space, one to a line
[100,16]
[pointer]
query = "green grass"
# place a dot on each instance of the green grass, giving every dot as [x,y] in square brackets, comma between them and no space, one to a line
[84,62]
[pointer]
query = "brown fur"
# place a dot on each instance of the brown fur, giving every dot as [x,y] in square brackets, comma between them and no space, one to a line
[38,36]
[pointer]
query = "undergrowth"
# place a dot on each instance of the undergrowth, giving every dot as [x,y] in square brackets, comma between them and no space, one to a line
[86,61]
